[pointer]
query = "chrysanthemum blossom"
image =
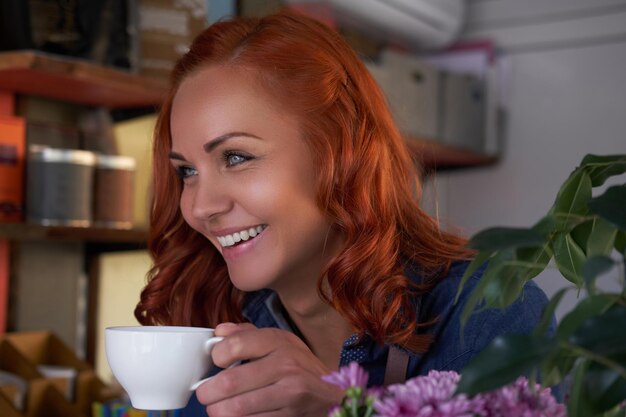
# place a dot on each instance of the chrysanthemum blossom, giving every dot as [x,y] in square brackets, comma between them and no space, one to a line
[433,395]
[348,376]
[518,399]
[426,396]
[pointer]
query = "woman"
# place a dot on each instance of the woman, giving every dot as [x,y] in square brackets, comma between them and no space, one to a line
[285,200]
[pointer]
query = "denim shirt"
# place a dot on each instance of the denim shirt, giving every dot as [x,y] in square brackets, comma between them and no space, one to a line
[449,350]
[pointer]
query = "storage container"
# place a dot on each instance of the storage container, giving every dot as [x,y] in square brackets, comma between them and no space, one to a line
[59,186]
[113,198]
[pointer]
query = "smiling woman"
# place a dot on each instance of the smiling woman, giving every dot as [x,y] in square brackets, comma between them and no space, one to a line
[247,170]
[285,197]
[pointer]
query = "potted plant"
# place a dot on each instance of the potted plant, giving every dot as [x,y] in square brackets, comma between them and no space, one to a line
[583,236]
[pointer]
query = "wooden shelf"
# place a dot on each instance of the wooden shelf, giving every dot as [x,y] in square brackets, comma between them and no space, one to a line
[76,81]
[27,231]
[82,82]
[433,156]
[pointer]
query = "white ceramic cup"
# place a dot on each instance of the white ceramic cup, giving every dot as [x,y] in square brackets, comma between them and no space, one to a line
[159,366]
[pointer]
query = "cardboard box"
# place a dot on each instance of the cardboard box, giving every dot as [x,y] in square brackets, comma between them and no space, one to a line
[7,408]
[12,400]
[412,89]
[13,361]
[14,389]
[44,400]
[464,112]
[44,348]
[166,31]
[416,89]
[12,144]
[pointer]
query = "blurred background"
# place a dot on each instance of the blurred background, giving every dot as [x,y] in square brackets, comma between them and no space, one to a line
[499,101]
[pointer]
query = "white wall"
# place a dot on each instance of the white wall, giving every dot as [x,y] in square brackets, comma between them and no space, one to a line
[566,97]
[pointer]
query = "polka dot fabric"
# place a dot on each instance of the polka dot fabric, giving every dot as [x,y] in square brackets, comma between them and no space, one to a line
[351,352]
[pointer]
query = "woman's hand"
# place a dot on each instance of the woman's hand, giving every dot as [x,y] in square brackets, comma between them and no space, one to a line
[282,377]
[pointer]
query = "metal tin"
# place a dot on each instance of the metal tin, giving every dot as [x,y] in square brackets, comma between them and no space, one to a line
[59,186]
[113,198]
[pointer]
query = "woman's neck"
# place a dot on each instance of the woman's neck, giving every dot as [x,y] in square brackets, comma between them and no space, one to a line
[321,327]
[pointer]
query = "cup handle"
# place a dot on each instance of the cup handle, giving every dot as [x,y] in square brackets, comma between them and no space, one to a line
[208,345]
[207,349]
[197,384]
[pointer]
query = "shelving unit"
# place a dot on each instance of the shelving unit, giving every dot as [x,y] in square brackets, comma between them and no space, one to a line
[76,81]
[433,156]
[82,82]
[79,82]
[88,84]
[26,231]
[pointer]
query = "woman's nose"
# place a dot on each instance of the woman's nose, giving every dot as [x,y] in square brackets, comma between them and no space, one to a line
[210,199]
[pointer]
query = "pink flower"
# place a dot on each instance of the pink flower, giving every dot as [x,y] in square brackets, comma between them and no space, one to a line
[425,396]
[348,376]
[433,396]
[519,400]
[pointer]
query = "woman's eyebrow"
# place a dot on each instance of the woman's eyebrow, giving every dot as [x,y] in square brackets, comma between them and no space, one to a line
[177,156]
[214,143]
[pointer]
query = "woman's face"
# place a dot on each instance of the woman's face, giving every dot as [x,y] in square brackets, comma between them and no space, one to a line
[249,184]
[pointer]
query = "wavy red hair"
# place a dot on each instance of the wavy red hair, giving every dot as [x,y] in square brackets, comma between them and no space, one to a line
[368,187]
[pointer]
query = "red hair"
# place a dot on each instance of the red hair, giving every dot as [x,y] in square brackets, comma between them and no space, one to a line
[368,187]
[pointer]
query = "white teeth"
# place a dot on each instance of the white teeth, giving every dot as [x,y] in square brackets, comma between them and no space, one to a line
[230,240]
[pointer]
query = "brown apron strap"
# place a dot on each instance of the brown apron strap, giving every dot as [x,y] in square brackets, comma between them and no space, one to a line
[397,361]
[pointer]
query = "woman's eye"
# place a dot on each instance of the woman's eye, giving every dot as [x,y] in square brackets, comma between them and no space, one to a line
[185,171]
[235,158]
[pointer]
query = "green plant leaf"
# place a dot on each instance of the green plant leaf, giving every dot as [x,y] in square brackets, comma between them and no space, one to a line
[564,223]
[548,312]
[581,232]
[486,284]
[605,387]
[506,285]
[596,237]
[500,238]
[578,403]
[601,239]
[603,334]
[501,284]
[479,259]
[536,260]
[503,280]
[474,298]
[557,366]
[620,242]
[569,258]
[586,308]
[615,412]
[601,167]
[546,225]
[594,267]
[503,361]
[574,194]
[611,206]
